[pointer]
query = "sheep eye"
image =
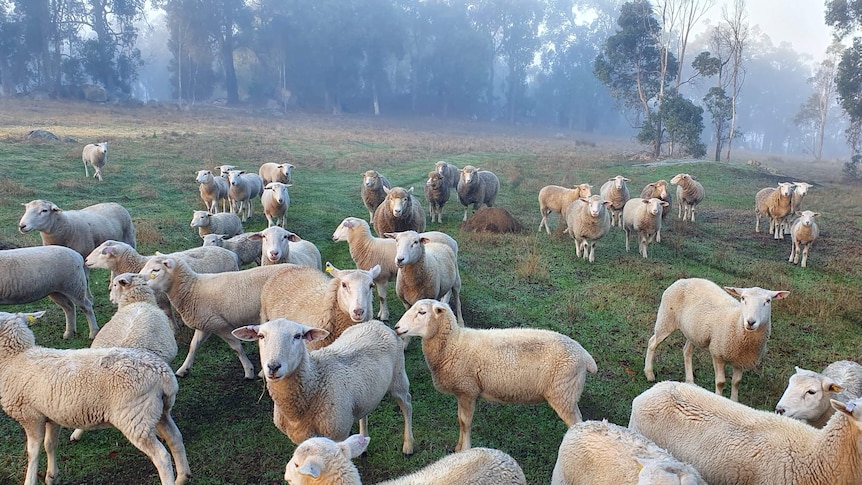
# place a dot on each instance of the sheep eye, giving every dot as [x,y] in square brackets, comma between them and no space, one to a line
[812,392]
[344,285]
[260,336]
[421,312]
[297,336]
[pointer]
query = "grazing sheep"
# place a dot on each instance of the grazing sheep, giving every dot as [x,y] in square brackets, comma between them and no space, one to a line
[81,230]
[616,191]
[494,220]
[243,188]
[776,204]
[275,201]
[803,233]
[477,187]
[436,194]
[213,190]
[281,246]
[449,171]
[730,443]
[372,191]
[400,211]
[226,223]
[513,365]
[248,250]
[97,156]
[735,332]
[643,218]
[689,193]
[588,221]
[602,453]
[553,198]
[30,274]
[658,190]
[808,393]
[129,389]
[321,460]
[321,393]
[276,172]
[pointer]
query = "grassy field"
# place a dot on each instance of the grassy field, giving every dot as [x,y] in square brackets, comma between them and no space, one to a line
[529,280]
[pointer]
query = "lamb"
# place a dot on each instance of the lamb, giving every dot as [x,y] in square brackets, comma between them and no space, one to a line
[281,246]
[776,204]
[436,194]
[30,274]
[689,193]
[247,250]
[449,171]
[808,393]
[730,443]
[643,218]
[276,172]
[81,230]
[368,251]
[213,190]
[513,365]
[321,393]
[477,187]
[553,198]
[275,201]
[588,221]
[130,389]
[803,233]
[735,332]
[616,191]
[97,156]
[321,460]
[200,301]
[400,211]
[226,223]
[243,188]
[602,453]
[372,191]
[658,190]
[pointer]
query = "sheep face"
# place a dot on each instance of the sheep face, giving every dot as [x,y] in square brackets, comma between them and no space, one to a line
[755,305]
[282,344]
[279,191]
[204,176]
[121,283]
[38,216]
[619,181]
[200,219]
[224,169]
[419,320]
[275,242]
[680,178]
[655,206]
[585,190]
[435,180]
[342,232]
[234,176]
[801,188]
[371,178]
[399,200]
[99,257]
[315,456]
[785,189]
[806,218]
[408,247]
[440,167]
[355,291]
[807,395]
[595,204]
[286,170]
[15,334]
[159,272]
[469,173]
[214,240]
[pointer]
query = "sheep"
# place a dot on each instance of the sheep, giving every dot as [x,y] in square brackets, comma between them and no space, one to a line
[199,299]
[281,246]
[512,365]
[808,393]
[588,221]
[275,201]
[130,389]
[372,191]
[400,211]
[213,190]
[224,169]
[735,332]
[449,171]
[730,443]
[658,190]
[321,460]
[247,250]
[477,187]
[242,189]
[30,274]
[276,172]
[689,193]
[616,191]
[643,218]
[436,194]
[602,453]
[81,230]
[97,156]
[800,189]
[553,198]
[774,203]
[321,393]
[803,233]
[368,251]
[226,223]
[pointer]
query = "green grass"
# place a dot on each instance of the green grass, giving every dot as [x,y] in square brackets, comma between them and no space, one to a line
[530,279]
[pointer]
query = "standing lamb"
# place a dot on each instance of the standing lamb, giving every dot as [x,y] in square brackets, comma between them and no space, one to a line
[372,191]
[226,223]
[588,221]
[97,156]
[130,389]
[281,246]
[512,365]
[437,191]
[276,172]
[803,233]
[213,190]
[616,191]
[689,193]
[735,332]
[808,393]
[553,198]
[774,203]
[730,443]
[275,201]
[658,190]
[248,250]
[242,190]
[643,218]
[477,187]
[400,211]
[449,171]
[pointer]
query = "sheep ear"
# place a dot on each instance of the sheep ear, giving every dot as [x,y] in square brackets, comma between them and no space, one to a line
[293,237]
[375,271]
[54,208]
[846,408]
[256,236]
[108,250]
[439,308]
[268,186]
[732,290]
[424,240]
[313,334]
[348,223]
[123,281]
[354,445]
[798,213]
[410,190]
[665,204]
[31,317]
[626,179]
[390,235]
[830,385]
[780,295]
[311,467]
[290,165]
[169,263]
[329,268]
[249,333]
[816,214]
[386,189]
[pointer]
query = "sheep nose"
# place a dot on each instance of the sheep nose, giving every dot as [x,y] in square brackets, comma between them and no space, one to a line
[359,313]
[399,261]
[779,410]
[273,367]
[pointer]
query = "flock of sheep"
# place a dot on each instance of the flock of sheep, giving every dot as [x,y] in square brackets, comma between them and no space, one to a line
[328,363]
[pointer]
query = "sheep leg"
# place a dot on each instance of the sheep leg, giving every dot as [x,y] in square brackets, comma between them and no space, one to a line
[98,173]
[577,247]
[466,406]
[363,425]
[566,411]
[400,390]
[35,434]
[658,236]
[687,351]
[197,339]
[805,254]
[52,436]
[692,214]
[592,252]
[734,384]
[544,222]
[793,252]
[86,170]
[76,435]
[236,345]
[756,221]
[627,238]
[466,208]
[679,204]
[382,288]
[456,297]
[69,310]
[168,431]
[155,451]
[720,378]
[643,244]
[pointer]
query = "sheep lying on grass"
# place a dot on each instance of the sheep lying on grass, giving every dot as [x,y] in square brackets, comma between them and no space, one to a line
[514,365]
[130,389]
[689,193]
[803,233]
[275,201]
[276,172]
[225,223]
[588,220]
[213,190]
[477,187]
[616,192]
[248,250]
[281,246]
[642,217]
[735,332]
[808,393]
[775,203]
[399,211]
[97,156]
[553,198]
[372,191]
[436,194]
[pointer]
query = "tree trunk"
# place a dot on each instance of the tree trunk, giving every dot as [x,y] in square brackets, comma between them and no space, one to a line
[375,101]
[230,82]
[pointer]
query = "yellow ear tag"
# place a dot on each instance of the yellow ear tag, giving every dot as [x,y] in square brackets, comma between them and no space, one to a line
[329,269]
[152,276]
[31,318]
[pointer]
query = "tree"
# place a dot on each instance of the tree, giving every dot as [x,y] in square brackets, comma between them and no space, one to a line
[845,18]
[735,35]
[683,121]
[813,114]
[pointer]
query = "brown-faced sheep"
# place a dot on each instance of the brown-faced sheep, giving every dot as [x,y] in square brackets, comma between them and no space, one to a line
[437,192]
[372,191]
[477,187]
[399,211]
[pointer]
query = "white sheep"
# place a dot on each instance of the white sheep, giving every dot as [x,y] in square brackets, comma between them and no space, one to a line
[689,193]
[213,190]
[602,453]
[130,389]
[275,201]
[372,191]
[658,190]
[616,191]
[97,156]
[642,217]
[224,169]
[451,172]
[734,331]
[226,223]
[243,188]
[803,233]
[276,172]
[248,250]
[282,246]
[320,460]
[776,204]
[588,220]
[322,393]
[808,393]
[399,211]
[437,191]
[512,365]
[81,230]
[800,190]
[30,274]
[553,198]
[730,443]
[477,187]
